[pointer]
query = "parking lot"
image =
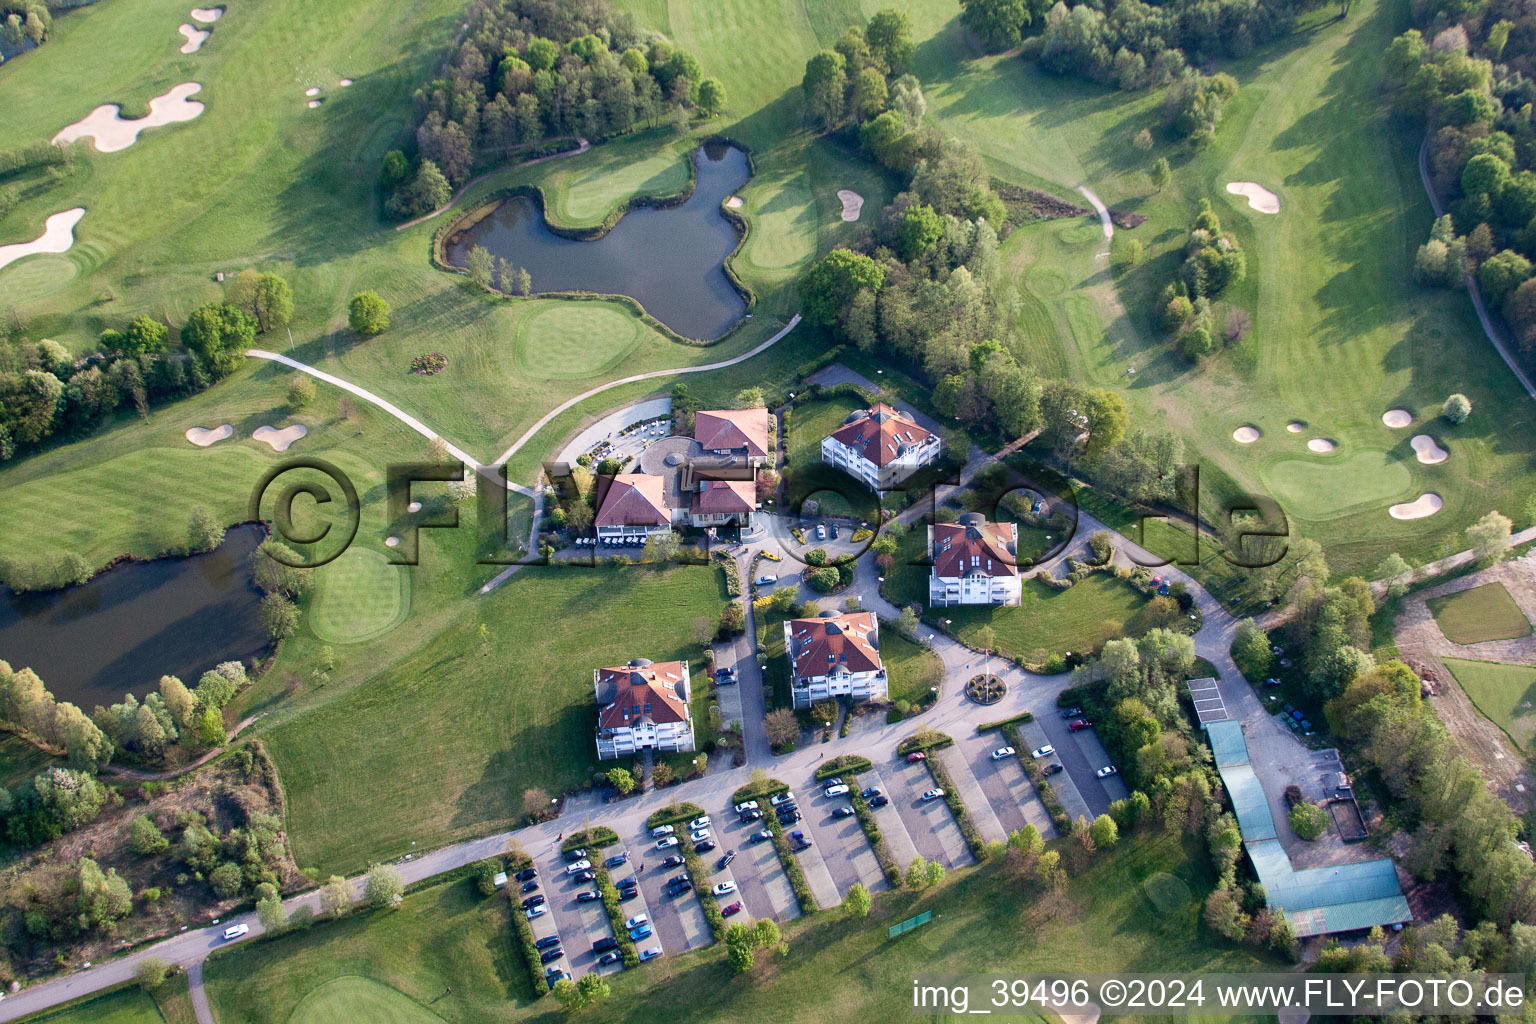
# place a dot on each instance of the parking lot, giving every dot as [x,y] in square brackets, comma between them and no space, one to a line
[678,921]
[932,828]
[892,829]
[1007,788]
[1070,757]
[763,888]
[579,925]
[844,847]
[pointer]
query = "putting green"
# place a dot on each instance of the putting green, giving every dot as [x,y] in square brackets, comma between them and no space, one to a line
[361,596]
[564,340]
[782,219]
[1318,488]
[352,998]
[36,276]
[1081,233]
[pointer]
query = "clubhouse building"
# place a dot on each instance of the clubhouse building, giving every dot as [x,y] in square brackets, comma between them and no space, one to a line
[836,654]
[643,706]
[974,562]
[880,447]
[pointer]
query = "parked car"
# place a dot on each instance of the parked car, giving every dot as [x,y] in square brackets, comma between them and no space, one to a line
[832,791]
[534,912]
[625,895]
[871,791]
[234,931]
[834,531]
[766,581]
[1071,712]
[677,890]
[701,822]
[1107,771]
[724,888]
[572,856]
[724,672]
[1002,752]
[788,816]
[680,880]
[613,956]
[725,861]
[760,836]
[1271,681]
[616,860]
[533,901]
[546,942]
[554,974]
[531,885]
[836,780]
[916,756]
[734,908]
[1042,751]
[580,865]
[650,954]
[821,532]
[1052,768]
[551,954]
[845,811]
[745,806]
[666,842]
[1079,724]
[527,875]
[705,847]
[785,797]
[663,830]
[588,896]
[643,932]
[637,921]
[933,794]
[585,876]
[747,816]
[799,841]
[879,801]
[673,861]
[603,945]
[729,680]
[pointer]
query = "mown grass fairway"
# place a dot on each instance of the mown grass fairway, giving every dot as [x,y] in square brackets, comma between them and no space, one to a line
[1482,613]
[355,998]
[1505,694]
[360,596]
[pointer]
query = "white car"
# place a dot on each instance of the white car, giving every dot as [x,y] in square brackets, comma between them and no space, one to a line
[783,798]
[1107,771]
[700,822]
[636,922]
[579,866]
[1042,751]
[650,954]
[666,843]
[698,835]
[766,581]
[832,791]
[724,888]
[538,911]
[1002,752]
[235,931]
[933,794]
[749,805]
[663,830]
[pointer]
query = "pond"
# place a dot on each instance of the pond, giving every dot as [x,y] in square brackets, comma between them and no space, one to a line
[671,260]
[126,628]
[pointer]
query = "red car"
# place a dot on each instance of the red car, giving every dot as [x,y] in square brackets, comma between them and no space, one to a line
[734,908]
[916,756]
[1079,723]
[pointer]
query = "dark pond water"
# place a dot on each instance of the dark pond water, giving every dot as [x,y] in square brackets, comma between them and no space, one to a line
[126,628]
[671,260]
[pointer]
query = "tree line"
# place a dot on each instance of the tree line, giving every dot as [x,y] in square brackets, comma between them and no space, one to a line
[530,70]
[23,22]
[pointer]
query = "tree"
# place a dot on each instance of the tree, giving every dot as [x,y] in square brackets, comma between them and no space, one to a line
[301,391]
[481,263]
[145,839]
[227,880]
[368,314]
[622,780]
[1308,820]
[210,729]
[824,86]
[592,988]
[204,532]
[335,896]
[272,302]
[711,97]
[218,333]
[999,23]
[917,873]
[567,994]
[1250,650]
[935,873]
[1161,174]
[1104,832]
[522,282]
[1456,408]
[426,192]
[661,547]
[1394,571]
[385,888]
[739,949]
[921,230]
[781,726]
[143,336]
[1501,273]
[858,901]
[830,284]
[270,911]
[1143,140]
[869,94]
[889,34]
[751,398]
[151,972]
[1489,537]
[279,616]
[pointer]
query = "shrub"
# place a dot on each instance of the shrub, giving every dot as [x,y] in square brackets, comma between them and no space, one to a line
[924,739]
[1018,719]
[851,764]
[596,837]
[823,580]
[792,871]
[1308,820]
[700,876]
[674,813]
[368,314]
[1456,408]
[525,942]
[610,894]
[957,808]
[866,816]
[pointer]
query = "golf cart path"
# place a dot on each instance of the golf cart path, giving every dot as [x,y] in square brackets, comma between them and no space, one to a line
[143,776]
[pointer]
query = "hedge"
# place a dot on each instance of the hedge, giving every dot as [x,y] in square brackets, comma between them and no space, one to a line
[866,816]
[700,875]
[674,813]
[1037,777]
[851,764]
[596,837]
[957,808]
[1018,719]
[525,940]
[756,791]
[792,870]
[727,564]
[924,741]
[610,894]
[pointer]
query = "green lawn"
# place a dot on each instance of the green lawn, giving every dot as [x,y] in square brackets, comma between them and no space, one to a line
[1503,693]
[1479,614]
[911,668]
[124,1006]
[980,918]
[575,339]
[441,744]
[389,968]
[584,193]
[361,596]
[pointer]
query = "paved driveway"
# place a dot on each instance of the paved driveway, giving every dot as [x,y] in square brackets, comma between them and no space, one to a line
[933,829]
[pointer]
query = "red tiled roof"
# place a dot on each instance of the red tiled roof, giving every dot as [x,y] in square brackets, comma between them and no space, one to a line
[633,499]
[881,434]
[975,547]
[725,496]
[642,690]
[730,429]
[844,640]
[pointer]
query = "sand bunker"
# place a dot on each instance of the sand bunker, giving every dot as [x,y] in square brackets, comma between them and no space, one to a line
[203,437]
[735,202]
[390,542]
[1246,435]
[345,82]
[1295,426]
[414,506]
[58,235]
[852,203]
[313,104]
[1321,445]
[1397,418]
[1259,197]
[280,439]
[1422,506]
[313,90]
[196,37]
[207,15]
[1427,450]
[112,133]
